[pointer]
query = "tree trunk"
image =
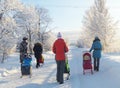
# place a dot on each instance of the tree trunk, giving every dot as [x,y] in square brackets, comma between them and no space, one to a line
[3,57]
[30,43]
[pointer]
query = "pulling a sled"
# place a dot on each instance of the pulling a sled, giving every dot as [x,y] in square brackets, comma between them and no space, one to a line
[87,62]
[67,68]
[26,66]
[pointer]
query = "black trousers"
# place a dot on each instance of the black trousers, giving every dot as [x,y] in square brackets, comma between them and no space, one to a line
[60,71]
[37,63]
[96,64]
[38,56]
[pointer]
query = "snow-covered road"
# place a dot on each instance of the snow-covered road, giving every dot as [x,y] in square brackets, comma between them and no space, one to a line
[45,77]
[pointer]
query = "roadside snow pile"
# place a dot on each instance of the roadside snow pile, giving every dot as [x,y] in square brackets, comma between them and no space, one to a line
[11,65]
[4,72]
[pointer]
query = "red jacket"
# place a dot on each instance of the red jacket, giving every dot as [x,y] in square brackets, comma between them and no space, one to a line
[59,48]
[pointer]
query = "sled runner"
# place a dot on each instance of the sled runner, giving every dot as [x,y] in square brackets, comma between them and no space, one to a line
[87,62]
[26,66]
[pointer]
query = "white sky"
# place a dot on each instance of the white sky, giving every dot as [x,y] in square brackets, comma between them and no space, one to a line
[68,14]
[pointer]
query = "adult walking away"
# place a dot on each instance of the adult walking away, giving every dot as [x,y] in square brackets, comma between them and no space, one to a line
[59,49]
[38,53]
[23,48]
[97,48]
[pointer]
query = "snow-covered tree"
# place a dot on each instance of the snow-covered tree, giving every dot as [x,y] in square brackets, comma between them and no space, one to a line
[26,21]
[18,20]
[33,23]
[48,41]
[7,25]
[97,22]
[44,30]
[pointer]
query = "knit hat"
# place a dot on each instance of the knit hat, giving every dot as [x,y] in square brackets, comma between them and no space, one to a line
[59,35]
[25,38]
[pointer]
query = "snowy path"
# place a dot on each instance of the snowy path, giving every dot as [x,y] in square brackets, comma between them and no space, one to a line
[75,67]
[45,77]
[41,78]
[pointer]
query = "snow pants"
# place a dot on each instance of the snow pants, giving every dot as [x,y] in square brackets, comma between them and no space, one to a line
[60,71]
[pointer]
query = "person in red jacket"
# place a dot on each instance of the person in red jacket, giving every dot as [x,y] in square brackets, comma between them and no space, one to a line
[59,49]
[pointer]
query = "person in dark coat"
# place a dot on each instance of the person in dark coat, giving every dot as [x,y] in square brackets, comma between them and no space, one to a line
[23,48]
[59,49]
[97,48]
[38,53]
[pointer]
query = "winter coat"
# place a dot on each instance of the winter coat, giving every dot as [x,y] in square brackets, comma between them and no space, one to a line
[59,48]
[38,50]
[97,48]
[23,47]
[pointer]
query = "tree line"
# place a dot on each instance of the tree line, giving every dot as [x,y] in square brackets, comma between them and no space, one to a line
[98,22]
[17,21]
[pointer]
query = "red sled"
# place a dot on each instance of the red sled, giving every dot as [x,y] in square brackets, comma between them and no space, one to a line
[87,62]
